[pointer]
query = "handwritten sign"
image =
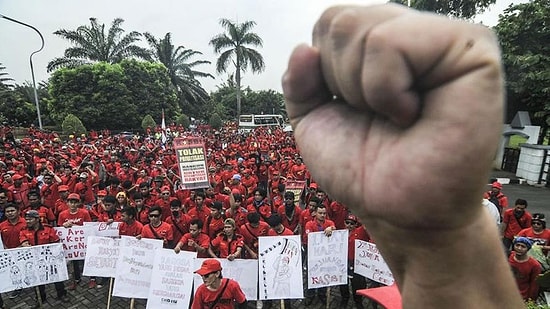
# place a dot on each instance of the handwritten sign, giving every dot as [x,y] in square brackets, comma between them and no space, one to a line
[31,266]
[171,280]
[104,229]
[101,256]
[134,266]
[327,259]
[74,241]
[370,263]
[245,272]
[280,263]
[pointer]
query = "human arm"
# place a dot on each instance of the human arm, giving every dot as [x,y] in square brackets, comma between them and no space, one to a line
[378,82]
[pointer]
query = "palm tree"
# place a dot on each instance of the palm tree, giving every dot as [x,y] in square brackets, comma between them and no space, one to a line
[4,76]
[92,44]
[180,68]
[232,47]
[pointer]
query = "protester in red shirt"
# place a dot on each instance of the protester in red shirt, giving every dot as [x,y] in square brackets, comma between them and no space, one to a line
[110,214]
[36,234]
[61,202]
[85,187]
[514,220]
[178,220]
[525,268]
[251,230]
[208,293]
[46,214]
[228,244]
[12,226]
[157,229]
[129,225]
[290,213]
[259,203]
[276,226]
[195,240]
[49,190]
[200,211]
[68,218]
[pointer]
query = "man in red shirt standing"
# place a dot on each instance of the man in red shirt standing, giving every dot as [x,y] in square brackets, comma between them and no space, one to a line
[525,268]
[157,229]
[38,234]
[216,292]
[276,227]
[251,230]
[85,187]
[178,220]
[75,215]
[129,225]
[514,220]
[195,240]
[10,230]
[319,224]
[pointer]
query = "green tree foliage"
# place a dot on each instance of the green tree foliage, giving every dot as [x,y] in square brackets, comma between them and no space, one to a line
[183,120]
[524,34]
[181,69]
[72,125]
[112,96]
[233,48]
[94,44]
[215,121]
[457,8]
[148,122]
[18,107]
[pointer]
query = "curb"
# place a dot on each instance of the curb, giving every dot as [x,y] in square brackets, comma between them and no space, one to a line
[508,181]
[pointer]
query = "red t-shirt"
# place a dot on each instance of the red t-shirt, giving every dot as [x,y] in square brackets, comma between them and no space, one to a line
[164,232]
[227,246]
[10,232]
[232,293]
[43,236]
[251,234]
[526,274]
[77,218]
[285,232]
[202,240]
[513,225]
[292,222]
[133,229]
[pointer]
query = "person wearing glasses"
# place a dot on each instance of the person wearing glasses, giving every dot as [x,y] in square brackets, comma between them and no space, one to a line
[356,231]
[538,233]
[216,291]
[157,229]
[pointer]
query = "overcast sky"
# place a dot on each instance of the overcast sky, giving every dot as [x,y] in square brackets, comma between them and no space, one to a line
[282,24]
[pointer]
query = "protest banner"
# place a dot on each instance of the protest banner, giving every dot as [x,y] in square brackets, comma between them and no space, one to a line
[171,280]
[369,263]
[134,266]
[243,271]
[101,256]
[280,267]
[327,259]
[191,156]
[296,187]
[74,241]
[104,229]
[26,267]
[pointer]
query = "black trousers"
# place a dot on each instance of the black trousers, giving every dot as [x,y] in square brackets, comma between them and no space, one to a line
[59,288]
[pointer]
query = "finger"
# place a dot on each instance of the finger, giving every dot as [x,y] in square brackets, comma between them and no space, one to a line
[303,84]
[340,35]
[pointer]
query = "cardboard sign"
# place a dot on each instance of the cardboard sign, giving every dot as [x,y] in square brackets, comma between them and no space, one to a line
[101,256]
[327,259]
[370,263]
[74,241]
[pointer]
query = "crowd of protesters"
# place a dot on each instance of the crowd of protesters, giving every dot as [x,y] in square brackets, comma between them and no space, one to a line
[134,180]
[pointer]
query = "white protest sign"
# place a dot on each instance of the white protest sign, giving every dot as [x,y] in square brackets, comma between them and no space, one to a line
[172,279]
[101,256]
[245,272]
[74,241]
[280,267]
[31,266]
[134,266]
[104,229]
[327,259]
[370,263]
[1,244]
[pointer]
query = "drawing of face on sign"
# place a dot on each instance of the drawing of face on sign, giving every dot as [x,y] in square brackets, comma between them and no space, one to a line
[16,276]
[30,277]
[42,270]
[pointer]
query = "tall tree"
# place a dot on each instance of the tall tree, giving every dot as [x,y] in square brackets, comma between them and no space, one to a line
[94,44]
[456,8]
[181,68]
[4,76]
[233,48]
[524,34]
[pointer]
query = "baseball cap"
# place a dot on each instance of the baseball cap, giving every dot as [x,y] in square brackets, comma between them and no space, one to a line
[497,185]
[62,188]
[83,175]
[209,266]
[101,193]
[73,196]
[351,217]
[16,177]
[236,176]
[32,214]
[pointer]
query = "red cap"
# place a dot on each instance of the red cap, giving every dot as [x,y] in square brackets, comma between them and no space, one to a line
[165,188]
[101,193]
[351,217]
[313,185]
[74,196]
[209,266]
[16,177]
[63,188]
[497,185]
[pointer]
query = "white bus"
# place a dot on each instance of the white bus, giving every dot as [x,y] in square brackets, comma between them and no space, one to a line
[248,122]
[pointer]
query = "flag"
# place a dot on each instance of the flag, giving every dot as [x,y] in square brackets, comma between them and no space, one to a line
[163,128]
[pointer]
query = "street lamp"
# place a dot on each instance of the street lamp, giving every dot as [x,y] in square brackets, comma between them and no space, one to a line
[32,67]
